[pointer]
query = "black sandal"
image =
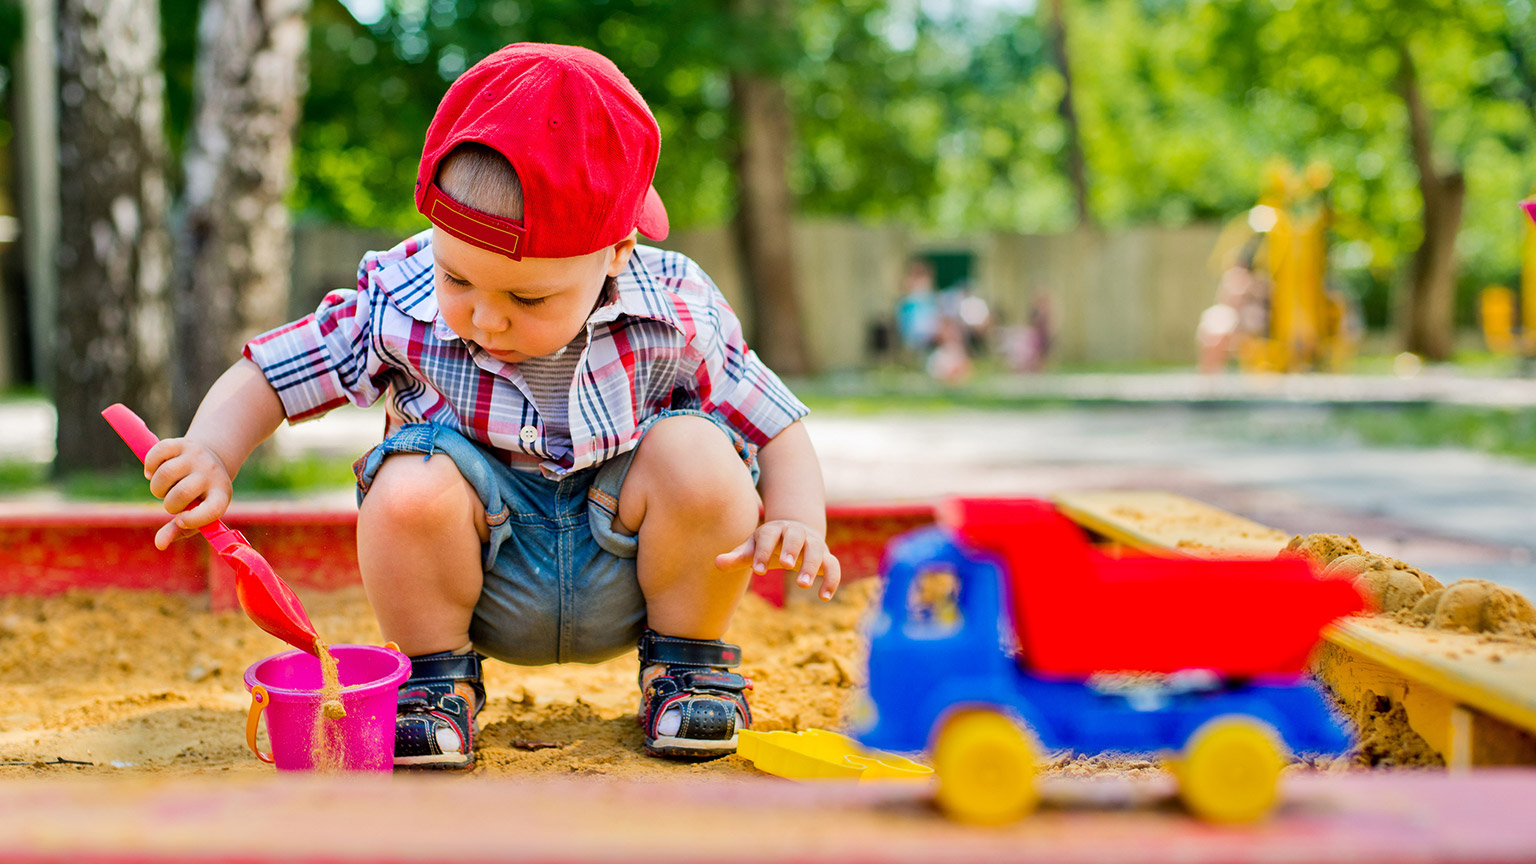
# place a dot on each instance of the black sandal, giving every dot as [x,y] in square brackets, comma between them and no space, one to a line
[435,726]
[696,681]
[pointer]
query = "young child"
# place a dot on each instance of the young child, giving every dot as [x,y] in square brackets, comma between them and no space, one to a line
[578,439]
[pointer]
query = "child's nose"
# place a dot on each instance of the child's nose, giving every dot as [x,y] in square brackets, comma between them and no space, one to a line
[488,319]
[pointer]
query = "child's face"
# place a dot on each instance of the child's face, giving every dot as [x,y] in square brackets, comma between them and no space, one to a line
[519,309]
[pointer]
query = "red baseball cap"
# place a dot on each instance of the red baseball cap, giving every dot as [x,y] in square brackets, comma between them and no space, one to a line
[580,137]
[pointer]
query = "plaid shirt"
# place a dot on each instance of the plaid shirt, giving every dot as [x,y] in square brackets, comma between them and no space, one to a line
[669,340]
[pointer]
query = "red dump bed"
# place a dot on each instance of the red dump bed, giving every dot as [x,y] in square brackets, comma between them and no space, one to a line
[1077,611]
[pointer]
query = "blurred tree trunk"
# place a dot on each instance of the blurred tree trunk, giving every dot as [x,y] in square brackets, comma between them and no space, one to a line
[765,207]
[1431,315]
[1077,170]
[114,247]
[235,246]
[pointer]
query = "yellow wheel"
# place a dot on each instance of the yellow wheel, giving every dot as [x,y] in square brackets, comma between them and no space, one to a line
[1230,770]
[986,768]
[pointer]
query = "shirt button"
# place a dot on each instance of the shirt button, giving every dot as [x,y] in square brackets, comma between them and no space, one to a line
[529,434]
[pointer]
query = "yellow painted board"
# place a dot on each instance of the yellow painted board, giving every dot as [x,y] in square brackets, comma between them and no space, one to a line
[1459,666]
[1162,522]
[1495,676]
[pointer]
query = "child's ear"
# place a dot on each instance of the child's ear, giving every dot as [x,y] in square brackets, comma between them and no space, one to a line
[618,254]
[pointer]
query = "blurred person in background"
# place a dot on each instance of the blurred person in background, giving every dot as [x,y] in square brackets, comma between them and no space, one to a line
[917,312]
[1241,312]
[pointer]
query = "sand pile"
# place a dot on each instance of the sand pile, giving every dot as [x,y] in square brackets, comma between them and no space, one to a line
[1413,597]
[1493,618]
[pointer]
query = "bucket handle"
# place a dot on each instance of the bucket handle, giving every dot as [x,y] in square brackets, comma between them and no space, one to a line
[259,700]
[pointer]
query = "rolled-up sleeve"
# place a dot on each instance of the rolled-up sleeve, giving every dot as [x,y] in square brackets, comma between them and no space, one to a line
[733,382]
[323,360]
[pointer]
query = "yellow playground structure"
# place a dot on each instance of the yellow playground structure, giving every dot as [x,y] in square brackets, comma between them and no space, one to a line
[1509,319]
[1274,263]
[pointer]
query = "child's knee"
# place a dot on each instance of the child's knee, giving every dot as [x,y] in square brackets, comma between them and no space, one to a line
[409,492]
[688,440]
[696,464]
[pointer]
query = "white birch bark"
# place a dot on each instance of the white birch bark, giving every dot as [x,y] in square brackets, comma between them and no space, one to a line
[235,244]
[112,342]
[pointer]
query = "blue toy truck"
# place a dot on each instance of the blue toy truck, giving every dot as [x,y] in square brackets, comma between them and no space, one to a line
[952,671]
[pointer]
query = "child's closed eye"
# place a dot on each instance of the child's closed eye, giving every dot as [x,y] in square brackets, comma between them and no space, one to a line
[464,284]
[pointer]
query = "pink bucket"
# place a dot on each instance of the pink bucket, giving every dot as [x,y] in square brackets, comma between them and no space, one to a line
[286,687]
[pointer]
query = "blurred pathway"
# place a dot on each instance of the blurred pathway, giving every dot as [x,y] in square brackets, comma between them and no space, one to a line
[1454,513]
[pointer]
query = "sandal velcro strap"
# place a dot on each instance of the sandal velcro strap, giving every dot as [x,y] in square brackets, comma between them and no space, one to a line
[417,702]
[711,680]
[439,673]
[675,651]
[445,666]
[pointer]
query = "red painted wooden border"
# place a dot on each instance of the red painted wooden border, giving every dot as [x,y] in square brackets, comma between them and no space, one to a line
[59,547]
[1476,817]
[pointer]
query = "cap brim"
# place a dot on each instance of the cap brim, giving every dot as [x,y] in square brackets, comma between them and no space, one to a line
[653,216]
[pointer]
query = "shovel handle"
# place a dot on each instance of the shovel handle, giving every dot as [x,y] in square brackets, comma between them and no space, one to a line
[135,433]
[131,428]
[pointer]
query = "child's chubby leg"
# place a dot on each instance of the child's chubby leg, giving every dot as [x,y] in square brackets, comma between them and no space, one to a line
[689,498]
[419,530]
[419,535]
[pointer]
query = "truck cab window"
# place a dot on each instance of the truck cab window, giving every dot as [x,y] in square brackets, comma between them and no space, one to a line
[933,603]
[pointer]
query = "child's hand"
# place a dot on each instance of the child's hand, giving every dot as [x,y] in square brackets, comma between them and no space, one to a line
[183,471]
[796,546]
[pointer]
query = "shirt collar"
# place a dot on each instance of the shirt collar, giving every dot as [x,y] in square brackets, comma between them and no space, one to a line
[409,282]
[641,293]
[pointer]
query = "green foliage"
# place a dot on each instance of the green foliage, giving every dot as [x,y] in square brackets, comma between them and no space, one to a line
[1184,104]
[1341,60]
[373,90]
[178,35]
[949,122]
[300,474]
[18,476]
[868,116]
[11,23]
[124,485]
[1502,431]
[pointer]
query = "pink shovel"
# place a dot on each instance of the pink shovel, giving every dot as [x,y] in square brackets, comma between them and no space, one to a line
[265,597]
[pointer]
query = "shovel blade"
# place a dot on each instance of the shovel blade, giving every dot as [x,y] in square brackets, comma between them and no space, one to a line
[268,600]
[264,596]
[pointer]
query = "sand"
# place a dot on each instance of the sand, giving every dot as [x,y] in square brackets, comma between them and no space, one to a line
[1413,597]
[328,747]
[145,683]
[1324,547]
[139,683]
[1471,621]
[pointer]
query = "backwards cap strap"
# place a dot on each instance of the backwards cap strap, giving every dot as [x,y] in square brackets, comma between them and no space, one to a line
[496,233]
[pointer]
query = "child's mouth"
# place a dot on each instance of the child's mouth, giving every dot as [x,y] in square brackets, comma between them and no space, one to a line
[503,356]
